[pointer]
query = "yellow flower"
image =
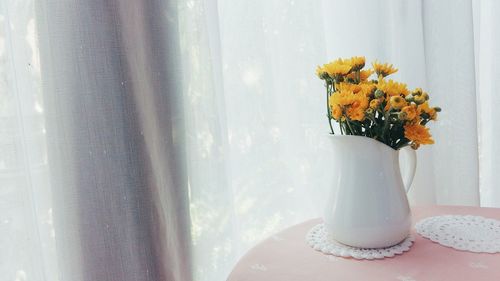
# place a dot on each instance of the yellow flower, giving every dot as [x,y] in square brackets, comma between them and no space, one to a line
[356,63]
[367,88]
[418,134]
[410,111]
[342,97]
[365,74]
[374,104]
[320,72]
[397,102]
[392,88]
[336,111]
[383,69]
[337,68]
[346,87]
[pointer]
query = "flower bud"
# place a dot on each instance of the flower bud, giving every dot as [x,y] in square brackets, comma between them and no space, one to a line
[437,109]
[419,99]
[432,114]
[415,146]
[417,92]
[409,98]
[374,104]
[379,93]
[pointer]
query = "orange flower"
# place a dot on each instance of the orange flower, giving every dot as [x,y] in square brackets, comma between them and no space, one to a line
[356,110]
[410,111]
[336,111]
[418,134]
[353,105]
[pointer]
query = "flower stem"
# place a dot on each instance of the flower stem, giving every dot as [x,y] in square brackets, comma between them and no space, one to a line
[328,109]
[349,125]
[330,123]
[386,124]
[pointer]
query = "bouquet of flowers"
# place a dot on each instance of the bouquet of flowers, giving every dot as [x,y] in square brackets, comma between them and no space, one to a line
[381,109]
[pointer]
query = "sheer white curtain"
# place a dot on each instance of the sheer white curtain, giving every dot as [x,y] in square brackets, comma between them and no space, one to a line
[27,245]
[170,136]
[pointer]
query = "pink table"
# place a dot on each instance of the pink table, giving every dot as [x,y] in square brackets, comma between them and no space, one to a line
[286,257]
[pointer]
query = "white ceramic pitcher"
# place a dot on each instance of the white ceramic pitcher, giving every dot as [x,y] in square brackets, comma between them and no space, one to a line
[368,206]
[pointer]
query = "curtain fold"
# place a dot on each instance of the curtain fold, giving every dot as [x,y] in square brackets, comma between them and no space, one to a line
[115,139]
[487,55]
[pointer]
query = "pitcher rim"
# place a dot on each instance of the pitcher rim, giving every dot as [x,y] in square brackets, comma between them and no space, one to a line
[365,137]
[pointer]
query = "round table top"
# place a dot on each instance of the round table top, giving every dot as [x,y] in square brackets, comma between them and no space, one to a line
[287,257]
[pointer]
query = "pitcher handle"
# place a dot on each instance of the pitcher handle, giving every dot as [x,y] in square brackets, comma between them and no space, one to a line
[408,178]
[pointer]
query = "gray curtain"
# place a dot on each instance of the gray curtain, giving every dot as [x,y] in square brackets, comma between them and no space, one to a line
[115,138]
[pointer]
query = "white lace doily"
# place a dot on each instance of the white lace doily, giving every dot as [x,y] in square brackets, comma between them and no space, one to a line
[466,233]
[319,240]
